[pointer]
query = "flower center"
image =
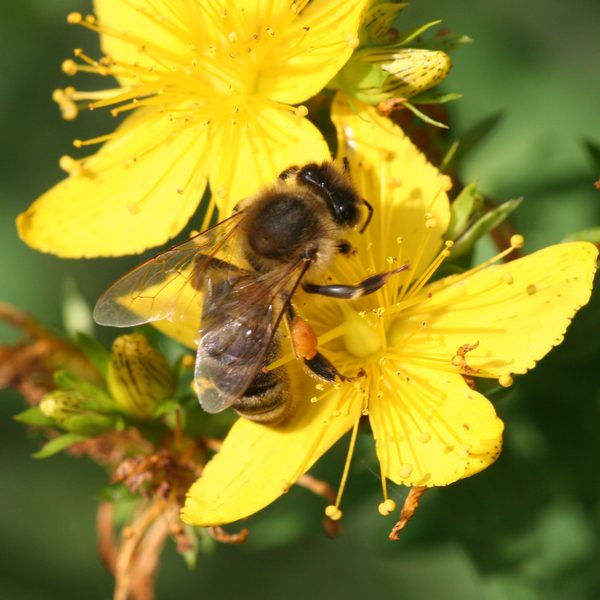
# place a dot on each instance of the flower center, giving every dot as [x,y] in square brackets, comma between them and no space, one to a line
[361,339]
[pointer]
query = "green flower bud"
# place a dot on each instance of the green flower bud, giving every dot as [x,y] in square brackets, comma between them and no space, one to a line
[379,19]
[72,410]
[139,377]
[376,74]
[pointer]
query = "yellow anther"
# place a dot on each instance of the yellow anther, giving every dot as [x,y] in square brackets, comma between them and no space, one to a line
[188,361]
[301,111]
[386,507]
[508,278]
[353,41]
[333,512]
[74,18]
[505,380]
[70,165]
[517,241]
[232,37]
[531,289]
[446,183]
[424,437]
[458,361]
[69,67]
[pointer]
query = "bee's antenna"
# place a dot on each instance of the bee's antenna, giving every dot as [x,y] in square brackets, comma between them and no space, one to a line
[370,215]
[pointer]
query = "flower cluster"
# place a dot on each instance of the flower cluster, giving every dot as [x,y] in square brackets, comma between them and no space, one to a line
[219,98]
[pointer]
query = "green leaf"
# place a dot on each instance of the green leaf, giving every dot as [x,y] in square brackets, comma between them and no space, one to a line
[34,416]
[423,116]
[59,443]
[463,207]
[487,222]
[76,312]
[98,355]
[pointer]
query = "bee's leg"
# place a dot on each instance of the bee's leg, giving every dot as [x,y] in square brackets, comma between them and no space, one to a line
[324,369]
[344,247]
[288,173]
[202,262]
[304,343]
[350,292]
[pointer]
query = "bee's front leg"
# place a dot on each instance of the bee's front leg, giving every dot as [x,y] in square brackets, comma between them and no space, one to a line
[345,291]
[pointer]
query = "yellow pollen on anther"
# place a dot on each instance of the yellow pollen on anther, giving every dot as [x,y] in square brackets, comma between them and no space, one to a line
[232,37]
[531,289]
[505,380]
[508,278]
[424,437]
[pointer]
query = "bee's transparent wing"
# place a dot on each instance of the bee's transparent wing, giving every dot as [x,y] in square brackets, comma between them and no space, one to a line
[239,323]
[167,285]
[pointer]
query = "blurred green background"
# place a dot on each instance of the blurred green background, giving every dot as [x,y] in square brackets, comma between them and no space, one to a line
[525,529]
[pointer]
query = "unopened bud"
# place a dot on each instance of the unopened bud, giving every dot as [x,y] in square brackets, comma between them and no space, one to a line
[139,377]
[374,75]
[72,410]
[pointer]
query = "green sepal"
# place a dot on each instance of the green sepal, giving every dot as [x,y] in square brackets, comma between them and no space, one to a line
[592,234]
[56,445]
[97,354]
[446,43]
[593,150]
[97,399]
[432,97]
[423,116]
[166,407]
[476,134]
[34,416]
[190,556]
[483,225]
[407,36]
[463,207]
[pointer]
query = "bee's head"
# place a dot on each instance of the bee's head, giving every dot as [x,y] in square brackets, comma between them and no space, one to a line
[335,189]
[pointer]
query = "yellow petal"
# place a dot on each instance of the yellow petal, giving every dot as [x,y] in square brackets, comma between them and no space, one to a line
[516,312]
[431,429]
[408,194]
[258,463]
[311,49]
[255,147]
[145,33]
[137,191]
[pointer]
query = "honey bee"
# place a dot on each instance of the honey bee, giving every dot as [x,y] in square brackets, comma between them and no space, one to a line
[244,272]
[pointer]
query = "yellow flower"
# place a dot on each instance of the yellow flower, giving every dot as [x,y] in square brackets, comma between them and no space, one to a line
[419,342]
[212,88]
